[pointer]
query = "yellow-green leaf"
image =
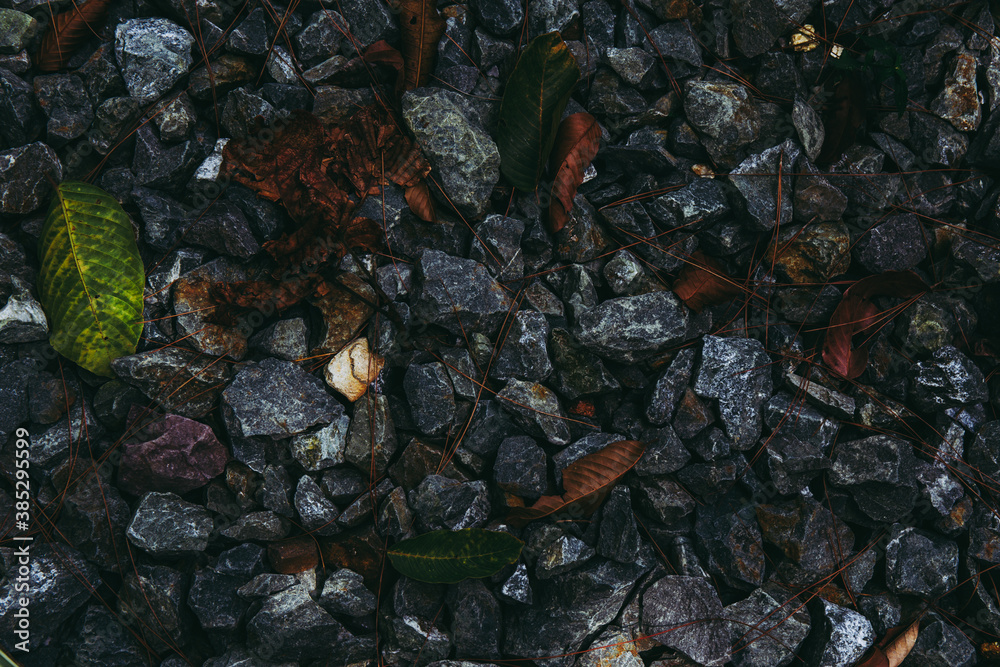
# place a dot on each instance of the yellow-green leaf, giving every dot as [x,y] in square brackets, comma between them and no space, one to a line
[91,280]
[532,105]
[449,556]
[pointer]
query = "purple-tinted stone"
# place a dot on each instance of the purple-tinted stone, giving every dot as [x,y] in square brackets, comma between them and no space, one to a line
[174,454]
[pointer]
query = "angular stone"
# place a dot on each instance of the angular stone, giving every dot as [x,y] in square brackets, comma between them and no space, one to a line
[841,636]
[919,563]
[16,30]
[344,592]
[958,103]
[732,539]
[25,174]
[179,380]
[171,454]
[524,354]
[949,379]
[521,467]
[316,512]
[165,525]
[321,37]
[372,435]
[570,609]
[757,180]
[629,329]
[265,526]
[536,408]
[431,397]
[20,118]
[940,643]
[154,54]
[681,605]
[22,318]
[770,628]
[808,533]
[726,114]
[880,473]
[278,399]
[324,448]
[459,294]
[64,101]
[896,244]
[457,146]
[737,372]
[444,503]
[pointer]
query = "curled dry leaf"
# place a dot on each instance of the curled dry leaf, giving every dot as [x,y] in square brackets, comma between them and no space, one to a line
[857,313]
[893,648]
[69,30]
[703,282]
[418,198]
[577,141]
[587,482]
[422,27]
[320,175]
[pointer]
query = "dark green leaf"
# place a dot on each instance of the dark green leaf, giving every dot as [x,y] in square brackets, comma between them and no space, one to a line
[91,279]
[536,94]
[449,556]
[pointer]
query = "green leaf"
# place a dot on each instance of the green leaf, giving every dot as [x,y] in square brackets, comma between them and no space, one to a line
[536,95]
[91,280]
[449,556]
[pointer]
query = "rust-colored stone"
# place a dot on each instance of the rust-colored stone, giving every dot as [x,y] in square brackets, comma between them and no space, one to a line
[297,554]
[814,255]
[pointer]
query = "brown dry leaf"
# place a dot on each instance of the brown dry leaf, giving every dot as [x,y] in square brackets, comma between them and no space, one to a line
[703,282]
[893,648]
[587,481]
[856,313]
[68,31]
[380,63]
[418,198]
[576,144]
[422,27]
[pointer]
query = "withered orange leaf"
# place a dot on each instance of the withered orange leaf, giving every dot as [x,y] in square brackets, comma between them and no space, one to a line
[418,198]
[68,31]
[856,313]
[576,144]
[586,481]
[320,175]
[422,27]
[703,282]
[893,648]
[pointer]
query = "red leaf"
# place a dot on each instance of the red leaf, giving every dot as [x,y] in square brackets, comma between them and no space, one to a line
[702,283]
[587,481]
[576,144]
[422,27]
[856,313]
[418,198]
[69,30]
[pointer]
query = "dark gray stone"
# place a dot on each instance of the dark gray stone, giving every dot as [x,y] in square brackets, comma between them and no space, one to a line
[668,389]
[948,380]
[165,525]
[756,178]
[276,399]
[265,526]
[344,592]
[840,636]
[20,119]
[629,329]
[153,54]
[941,644]
[880,472]
[444,503]
[321,37]
[808,533]
[725,114]
[457,145]
[152,601]
[919,563]
[793,463]
[524,353]
[372,434]
[431,397]
[737,372]
[165,168]
[619,537]
[179,380]
[67,106]
[214,601]
[25,174]
[682,605]
[770,628]
[58,577]
[521,467]
[459,294]
[536,409]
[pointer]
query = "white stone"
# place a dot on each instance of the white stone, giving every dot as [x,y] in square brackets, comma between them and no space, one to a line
[353,369]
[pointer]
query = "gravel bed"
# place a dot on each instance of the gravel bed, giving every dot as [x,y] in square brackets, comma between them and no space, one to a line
[224,499]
